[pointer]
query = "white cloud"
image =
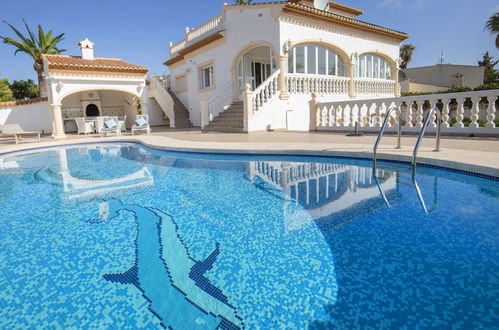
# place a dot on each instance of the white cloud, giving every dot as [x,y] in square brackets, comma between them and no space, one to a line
[419,4]
[494,10]
[390,3]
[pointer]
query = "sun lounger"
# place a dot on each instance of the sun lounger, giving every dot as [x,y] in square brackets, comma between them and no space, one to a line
[16,131]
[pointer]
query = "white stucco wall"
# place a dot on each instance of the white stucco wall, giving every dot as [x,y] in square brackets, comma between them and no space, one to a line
[31,117]
[265,24]
[243,27]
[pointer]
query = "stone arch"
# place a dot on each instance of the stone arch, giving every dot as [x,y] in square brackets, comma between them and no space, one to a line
[94,88]
[237,58]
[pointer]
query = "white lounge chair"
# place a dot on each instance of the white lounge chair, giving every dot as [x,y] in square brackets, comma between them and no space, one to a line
[122,123]
[141,124]
[83,126]
[16,131]
[111,126]
[99,124]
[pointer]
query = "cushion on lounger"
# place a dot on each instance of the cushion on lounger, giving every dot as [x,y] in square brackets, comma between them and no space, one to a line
[110,123]
[140,121]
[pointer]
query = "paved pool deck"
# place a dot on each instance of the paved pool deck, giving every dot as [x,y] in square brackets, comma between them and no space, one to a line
[478,155]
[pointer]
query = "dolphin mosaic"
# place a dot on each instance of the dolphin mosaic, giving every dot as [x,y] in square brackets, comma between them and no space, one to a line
[169,278]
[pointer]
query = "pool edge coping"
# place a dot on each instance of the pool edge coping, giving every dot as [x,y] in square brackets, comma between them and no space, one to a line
[452,165]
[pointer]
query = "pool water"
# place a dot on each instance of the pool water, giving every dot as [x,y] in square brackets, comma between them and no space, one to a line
[122,236]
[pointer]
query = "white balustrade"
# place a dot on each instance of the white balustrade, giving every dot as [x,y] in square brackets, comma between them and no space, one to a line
[196,32]
[265,92]
[219,101]
[177,47]
[380,87]
[306,84]
[205,27]
[467,112]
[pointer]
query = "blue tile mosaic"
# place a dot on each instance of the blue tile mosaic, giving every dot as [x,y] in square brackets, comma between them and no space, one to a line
[122,236]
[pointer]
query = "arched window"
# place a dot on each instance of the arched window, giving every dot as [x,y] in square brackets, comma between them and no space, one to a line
[373,66]
[315,60]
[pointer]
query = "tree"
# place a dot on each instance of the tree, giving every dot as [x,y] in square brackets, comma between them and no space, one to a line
[242,2]
[406,52]
[490,76]
[35,46]
[24,89]
[493,26]
[5,92]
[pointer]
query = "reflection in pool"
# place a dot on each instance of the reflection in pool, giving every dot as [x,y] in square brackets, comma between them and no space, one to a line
[124,236]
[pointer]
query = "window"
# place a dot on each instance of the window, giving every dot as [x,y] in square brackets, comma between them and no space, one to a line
[207,77]
[181,83]
[373,66]
[315,60]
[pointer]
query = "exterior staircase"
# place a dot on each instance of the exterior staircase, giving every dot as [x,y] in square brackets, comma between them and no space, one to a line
[181,112]
[228,121]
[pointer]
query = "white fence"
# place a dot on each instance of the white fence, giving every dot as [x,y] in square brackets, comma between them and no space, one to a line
[305,84]
[194,33]
[468,112]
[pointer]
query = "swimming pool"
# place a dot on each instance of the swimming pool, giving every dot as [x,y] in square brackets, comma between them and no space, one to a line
[120,235]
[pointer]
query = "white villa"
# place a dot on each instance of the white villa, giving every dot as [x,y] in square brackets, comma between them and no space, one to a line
[297,65]
[253,67]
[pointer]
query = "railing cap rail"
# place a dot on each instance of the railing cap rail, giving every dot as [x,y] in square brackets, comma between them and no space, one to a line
[442,96]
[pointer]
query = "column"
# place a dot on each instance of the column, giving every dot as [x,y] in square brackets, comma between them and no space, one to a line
[396,91]
[313,111]
[204,111]
[57,123]
[247,106]
[283,90]
[351,83]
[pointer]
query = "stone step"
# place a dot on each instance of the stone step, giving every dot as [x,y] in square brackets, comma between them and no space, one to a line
[223,129]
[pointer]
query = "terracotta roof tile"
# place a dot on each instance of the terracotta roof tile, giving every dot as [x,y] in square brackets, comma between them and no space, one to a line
[66,62]
[22,102]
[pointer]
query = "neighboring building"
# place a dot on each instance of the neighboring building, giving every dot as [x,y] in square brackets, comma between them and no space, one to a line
[283,51]
[440,77]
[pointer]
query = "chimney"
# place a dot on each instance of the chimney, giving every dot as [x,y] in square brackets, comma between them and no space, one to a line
[87,49]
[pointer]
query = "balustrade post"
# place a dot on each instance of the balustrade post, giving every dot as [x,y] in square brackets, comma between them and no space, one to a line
[408,113]
[491,111]
[247,106]
[460,112]
[445,113]
[419,115]
[313,111]
[203,105]
[474,112]
[433,121]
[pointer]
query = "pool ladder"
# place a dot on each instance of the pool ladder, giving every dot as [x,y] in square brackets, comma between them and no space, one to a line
[426,122]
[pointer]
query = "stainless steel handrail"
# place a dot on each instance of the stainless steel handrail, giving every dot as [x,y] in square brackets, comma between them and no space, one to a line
[382,130]
[420,195]
[422,132]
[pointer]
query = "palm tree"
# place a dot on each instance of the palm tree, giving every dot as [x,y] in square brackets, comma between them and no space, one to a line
[242,2]
[35,46]
[493,26]
[406,52]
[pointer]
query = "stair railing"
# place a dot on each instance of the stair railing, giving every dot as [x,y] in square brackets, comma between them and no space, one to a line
[219,101]
[164,98]
[266,91]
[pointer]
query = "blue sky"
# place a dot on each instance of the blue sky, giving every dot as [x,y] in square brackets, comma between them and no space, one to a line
[141,34]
